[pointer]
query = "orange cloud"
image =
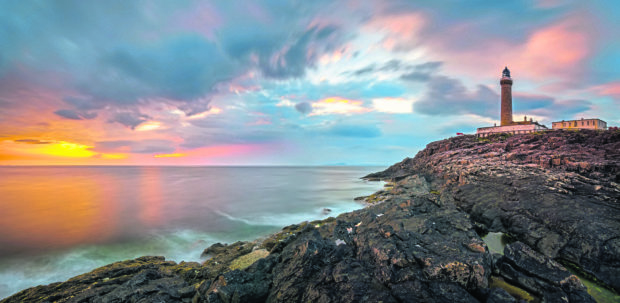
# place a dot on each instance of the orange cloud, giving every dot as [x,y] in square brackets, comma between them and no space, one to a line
[46,148]
[338,105]
[28,151]
[66,149]
[148,125]
[116,156]
[174,155]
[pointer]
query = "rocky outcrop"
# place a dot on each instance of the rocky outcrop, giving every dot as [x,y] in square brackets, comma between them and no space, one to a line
[556,191]
[420,239]
[127,281]
[540,275]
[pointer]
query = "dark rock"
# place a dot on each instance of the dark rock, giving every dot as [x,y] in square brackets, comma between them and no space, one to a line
[540,275]
[557,192]
[238,286]
[524,258]
[498,295]
[145,279]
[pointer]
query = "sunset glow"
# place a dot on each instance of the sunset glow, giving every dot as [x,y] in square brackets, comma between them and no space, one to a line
[175,155]
[306,82]
[137,137]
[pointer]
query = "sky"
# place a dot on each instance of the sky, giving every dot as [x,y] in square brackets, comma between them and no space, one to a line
[289,82]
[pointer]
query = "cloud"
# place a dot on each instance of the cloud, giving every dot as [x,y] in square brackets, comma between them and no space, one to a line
[524,102]
[238,136]
[32,141]
[611,89]
[282,40]
[389,66]
[83,104]
[292,61]
[401,30]
[139,146]
[200,74]
[365,70]
[355,131]
[149,125]
[75,115]
[174,155]
[549,49]
[338,105]
[127,56]
[393,105]
[129,119]
[416,76]
[183,68]
[562,109]
[303,107]
[393,66]
[428,66]
[422,72]
[448,96]
[557,49]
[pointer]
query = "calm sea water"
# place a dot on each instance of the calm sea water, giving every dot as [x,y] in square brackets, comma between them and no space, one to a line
[57,222]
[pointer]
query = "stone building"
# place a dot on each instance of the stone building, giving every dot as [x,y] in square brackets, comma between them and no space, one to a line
[580,124]
[507,124]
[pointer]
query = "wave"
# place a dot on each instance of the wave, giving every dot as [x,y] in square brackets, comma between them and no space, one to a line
[17,273]
[282,219]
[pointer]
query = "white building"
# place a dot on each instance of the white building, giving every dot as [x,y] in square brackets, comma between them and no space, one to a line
[580,124]
[514,129]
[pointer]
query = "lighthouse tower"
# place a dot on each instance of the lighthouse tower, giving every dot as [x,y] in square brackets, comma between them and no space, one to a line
[508,126]
[506,84]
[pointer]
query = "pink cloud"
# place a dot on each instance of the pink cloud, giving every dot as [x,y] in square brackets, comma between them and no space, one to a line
[261,121]
[558,49]
[203,18]
[555,53]
[400,30]
[611,89]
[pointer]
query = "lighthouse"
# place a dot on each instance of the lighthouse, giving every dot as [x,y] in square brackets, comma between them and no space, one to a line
[506,84]
[508,126]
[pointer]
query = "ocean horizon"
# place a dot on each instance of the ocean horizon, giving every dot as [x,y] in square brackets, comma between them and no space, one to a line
[61,221]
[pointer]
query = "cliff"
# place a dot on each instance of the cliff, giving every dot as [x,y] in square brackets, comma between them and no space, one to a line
[556,194]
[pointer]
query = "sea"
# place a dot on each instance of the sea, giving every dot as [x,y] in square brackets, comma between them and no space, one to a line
[57,222]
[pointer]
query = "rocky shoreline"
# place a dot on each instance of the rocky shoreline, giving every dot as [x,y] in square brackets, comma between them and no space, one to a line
[556,194]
